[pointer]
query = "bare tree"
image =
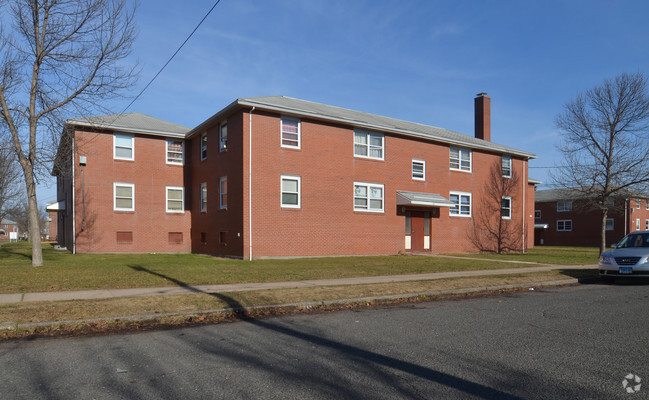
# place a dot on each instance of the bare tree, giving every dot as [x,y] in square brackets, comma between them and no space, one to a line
[605,142]
[494,229]
[61,57]
[9,181]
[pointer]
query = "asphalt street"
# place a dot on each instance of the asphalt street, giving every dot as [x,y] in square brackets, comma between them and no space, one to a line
[576,342]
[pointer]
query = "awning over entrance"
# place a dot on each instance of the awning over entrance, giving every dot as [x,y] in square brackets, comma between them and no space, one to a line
[56,206]
[422,199]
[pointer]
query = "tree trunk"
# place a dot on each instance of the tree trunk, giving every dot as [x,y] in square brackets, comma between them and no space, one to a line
[34,221]
[602,244]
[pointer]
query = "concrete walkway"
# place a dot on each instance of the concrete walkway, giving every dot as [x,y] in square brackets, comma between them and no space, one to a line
[242,287]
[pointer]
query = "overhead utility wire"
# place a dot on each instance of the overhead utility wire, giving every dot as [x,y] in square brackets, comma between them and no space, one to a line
[172,57]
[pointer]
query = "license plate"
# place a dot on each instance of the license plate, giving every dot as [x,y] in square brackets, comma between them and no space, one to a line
[626,270]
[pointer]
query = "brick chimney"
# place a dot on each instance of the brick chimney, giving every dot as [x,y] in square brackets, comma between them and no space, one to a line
[483,117]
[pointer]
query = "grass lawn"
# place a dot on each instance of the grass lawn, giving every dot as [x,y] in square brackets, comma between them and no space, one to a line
[64,271]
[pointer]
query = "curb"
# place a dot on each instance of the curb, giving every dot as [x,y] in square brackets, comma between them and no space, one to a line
[307,305]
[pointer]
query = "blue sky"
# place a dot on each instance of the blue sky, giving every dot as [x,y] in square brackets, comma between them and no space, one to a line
[421,61]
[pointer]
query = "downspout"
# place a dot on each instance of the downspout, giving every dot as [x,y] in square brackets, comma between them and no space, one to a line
[524,209]
[626,218]
[250,183]
[74,214]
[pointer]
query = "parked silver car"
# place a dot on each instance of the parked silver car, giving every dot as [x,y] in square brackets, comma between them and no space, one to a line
[629,259]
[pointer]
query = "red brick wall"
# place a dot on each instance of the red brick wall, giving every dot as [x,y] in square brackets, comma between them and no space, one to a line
[222,228]
[326,223]
[586,223]
[150,224]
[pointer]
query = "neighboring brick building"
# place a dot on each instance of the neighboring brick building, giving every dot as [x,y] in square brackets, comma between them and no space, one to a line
[287,177]
[7,226]
[120,185]
[562,218]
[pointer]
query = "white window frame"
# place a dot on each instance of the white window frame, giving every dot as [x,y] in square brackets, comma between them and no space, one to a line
[115,146]
[638,203]
[367,145]
[223,206]
[507,160]
[204,146]
[564,206]
[223,141]
[502,208]
[203,197]
[423,170]
[563,222]
[610,224]
[368,190]
[458,160]
[282,191]
[182,199]
[182,152]
[646,224]
[459,212]
[299,134]
[132,186]
[637,224]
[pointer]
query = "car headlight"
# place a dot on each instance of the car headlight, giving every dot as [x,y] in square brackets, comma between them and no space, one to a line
[645,260]
[605,260]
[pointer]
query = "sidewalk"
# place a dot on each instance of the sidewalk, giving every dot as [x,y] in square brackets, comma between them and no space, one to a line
[241,287]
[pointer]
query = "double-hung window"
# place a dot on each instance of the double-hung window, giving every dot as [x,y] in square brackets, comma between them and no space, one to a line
[204,196]
[123,146]
[368,144]
[610,224]
[174,151]
[290,191]
[506,207]
[368,197]
[223,192]
[419,170]
[461,204]
[460,159]
[290,133]
[638,202]
[204,146]
[223,137]
[123,196]
[175,199]
[563,206]
[564,225]
[507,167]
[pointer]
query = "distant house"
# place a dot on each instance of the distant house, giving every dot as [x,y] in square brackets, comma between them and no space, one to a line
[7,226]
[281,177]
[564,218]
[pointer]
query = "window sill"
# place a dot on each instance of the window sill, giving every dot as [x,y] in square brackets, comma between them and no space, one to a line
[124,211]
[460,170]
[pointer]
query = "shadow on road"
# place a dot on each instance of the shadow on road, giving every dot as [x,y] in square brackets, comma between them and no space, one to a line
[379,360]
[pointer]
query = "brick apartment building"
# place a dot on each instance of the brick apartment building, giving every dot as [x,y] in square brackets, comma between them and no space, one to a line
[6,227]
[277,177]
[562,218]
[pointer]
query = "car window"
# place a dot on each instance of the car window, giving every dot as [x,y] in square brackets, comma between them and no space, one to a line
[639,240]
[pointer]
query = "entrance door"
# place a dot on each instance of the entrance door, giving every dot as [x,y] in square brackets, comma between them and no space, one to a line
[420,230]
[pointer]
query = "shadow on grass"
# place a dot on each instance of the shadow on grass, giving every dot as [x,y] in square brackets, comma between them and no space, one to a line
[16,251]
[380,360]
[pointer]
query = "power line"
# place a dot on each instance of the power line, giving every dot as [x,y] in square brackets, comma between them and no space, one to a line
[172,57]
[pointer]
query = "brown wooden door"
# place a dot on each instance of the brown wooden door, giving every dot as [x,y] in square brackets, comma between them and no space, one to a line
[417,232]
